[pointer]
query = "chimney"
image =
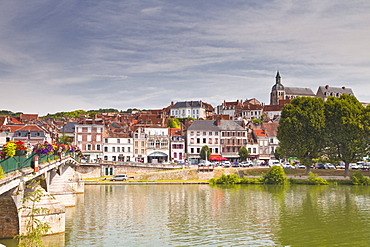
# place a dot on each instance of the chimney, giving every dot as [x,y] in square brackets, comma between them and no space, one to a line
[218,121]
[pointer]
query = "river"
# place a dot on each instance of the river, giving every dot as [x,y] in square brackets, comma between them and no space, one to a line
[204,215]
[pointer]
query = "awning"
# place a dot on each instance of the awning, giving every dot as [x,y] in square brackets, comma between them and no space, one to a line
[216,157]
[158,154]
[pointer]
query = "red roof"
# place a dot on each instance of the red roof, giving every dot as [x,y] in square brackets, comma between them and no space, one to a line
[260,133]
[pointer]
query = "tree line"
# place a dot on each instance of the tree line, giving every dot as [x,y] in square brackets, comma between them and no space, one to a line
[336,130]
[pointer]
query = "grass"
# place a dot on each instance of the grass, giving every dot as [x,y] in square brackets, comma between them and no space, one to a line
[302,172]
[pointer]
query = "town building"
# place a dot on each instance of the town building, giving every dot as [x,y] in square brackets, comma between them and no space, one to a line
[279,92]
[89,138]
[326,91]
[193,109]
[158,144]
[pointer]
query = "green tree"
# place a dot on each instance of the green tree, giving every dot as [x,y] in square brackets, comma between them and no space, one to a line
[347,130]
[301,129]
[205,153]
[276,175]
[173,123]
[243,153]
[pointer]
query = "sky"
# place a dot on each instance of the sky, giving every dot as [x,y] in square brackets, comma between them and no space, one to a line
[58,56]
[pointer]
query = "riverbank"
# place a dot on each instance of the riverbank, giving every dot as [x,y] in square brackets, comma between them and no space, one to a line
[194,176]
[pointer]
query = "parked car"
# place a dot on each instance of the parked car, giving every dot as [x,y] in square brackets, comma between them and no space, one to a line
[353,166]
[340,166]
[287,166]
[226,163]
[235,164]
[246,164]
[329,166]
[121,177]
[320,166]
[300,166]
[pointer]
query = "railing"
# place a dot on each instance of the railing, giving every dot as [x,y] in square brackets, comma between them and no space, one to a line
[19,162]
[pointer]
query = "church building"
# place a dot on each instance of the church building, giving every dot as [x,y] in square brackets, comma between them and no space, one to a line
[281,93]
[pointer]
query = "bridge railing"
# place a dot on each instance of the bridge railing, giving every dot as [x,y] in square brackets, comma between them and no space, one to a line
[19,162]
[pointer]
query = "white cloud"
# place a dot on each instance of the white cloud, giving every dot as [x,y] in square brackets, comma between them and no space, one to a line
[147,54]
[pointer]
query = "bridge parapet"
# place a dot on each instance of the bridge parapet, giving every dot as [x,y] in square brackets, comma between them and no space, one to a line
[59,179]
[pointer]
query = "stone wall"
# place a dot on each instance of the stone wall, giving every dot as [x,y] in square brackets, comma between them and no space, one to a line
[9,221]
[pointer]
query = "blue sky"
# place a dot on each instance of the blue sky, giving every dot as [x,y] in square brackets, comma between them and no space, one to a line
[68,55]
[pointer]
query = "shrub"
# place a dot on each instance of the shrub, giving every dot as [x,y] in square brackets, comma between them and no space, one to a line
[226,179]
[314,179]
[245,180]
[275,175]
[359,179]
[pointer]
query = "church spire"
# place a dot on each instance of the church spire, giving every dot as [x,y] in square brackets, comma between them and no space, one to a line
[278,78]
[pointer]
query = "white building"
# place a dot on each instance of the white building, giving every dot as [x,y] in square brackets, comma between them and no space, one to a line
[158,144]
[194,109]
[118,147]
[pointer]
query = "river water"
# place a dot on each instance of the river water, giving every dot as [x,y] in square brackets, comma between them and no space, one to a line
[204,215]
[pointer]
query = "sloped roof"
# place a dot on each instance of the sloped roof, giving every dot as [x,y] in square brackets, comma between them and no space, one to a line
[212,125]
[335,90]
[299,91]
[270,128]
[259,133]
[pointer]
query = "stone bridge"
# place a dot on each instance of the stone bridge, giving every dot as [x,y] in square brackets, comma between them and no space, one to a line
[59,182]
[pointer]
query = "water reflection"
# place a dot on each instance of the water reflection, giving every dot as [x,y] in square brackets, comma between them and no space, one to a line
[203,215]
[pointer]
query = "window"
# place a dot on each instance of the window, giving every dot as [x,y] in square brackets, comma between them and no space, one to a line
[198,140]
[271,140]
[198,150]
[210,133]
[164,143]
[204,140]
[191,150]
[89,129]
[88,147]
[216,150]
[89,138]
[123,149]
[192,140]
[105,157]
[98,147]
[142,151]
[106,140]
[136,143]
[79,138]
[204,133]
[151,143]
[118,141]
[216,141]
[157,144]
[175,155]
[128,149]
[128,141]
[254,150]
[136,151]
[142,144]
[210,140]
[105,149]
[98,130]
[118,149]
[98,138]
[113,149]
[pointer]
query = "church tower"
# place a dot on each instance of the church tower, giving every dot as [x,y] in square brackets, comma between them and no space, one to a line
[277,91]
